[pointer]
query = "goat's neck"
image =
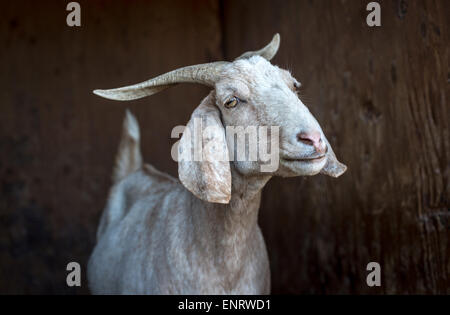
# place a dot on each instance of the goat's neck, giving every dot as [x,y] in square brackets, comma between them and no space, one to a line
[234,225]
[242,210]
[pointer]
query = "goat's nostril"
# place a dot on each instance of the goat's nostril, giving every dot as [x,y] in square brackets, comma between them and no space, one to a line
[305,139]
[311,138]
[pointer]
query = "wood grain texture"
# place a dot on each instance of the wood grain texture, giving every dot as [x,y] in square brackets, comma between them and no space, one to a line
[381,96]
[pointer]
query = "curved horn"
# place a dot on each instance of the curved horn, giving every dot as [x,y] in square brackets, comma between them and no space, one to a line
[268,52]
[206,74]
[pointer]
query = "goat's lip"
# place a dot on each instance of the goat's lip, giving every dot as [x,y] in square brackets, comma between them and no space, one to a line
[305,159]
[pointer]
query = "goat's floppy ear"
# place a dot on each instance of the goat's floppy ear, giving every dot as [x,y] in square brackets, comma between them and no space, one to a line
[333,167]
[203,164]
[268,52]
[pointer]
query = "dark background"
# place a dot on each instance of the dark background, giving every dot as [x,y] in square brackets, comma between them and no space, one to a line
[380,95]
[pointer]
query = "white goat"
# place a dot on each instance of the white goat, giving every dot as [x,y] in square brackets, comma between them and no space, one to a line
[201,236]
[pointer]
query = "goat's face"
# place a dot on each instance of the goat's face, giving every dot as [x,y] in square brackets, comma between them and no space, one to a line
[248,92]
[261,94]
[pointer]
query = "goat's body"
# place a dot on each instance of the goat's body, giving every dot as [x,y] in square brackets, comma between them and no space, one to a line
[148,246]
[200,235]
[156,237]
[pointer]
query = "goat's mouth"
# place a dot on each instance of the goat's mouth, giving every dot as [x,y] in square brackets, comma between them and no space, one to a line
[305,160]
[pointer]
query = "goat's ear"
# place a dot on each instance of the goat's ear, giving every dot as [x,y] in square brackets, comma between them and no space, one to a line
[333,167]
[268,52]
[203,163]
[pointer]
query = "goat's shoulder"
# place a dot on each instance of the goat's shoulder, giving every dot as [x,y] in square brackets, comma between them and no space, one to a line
[147,181]
[151,171]
[142,184]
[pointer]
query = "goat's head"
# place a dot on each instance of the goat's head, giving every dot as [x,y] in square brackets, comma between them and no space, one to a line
[249,91]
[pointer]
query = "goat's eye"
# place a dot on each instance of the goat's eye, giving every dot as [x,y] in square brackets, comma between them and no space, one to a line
[232,102]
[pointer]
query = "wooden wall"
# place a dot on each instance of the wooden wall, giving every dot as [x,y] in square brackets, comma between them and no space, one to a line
[380,95]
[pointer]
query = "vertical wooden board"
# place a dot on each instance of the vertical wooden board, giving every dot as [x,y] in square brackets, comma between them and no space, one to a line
[58,140]
[380,95]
